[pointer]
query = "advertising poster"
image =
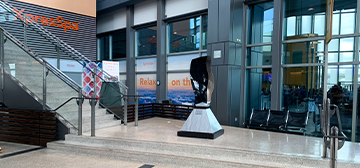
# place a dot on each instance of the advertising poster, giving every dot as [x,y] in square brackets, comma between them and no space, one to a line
[112,68]
[179,84]
[88,80]
[180,89]
[146,86]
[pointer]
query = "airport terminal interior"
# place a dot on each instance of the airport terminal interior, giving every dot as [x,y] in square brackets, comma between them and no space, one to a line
[179,83]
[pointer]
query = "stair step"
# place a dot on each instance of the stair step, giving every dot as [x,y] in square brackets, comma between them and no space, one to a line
[98,118]
[184,155]
[98,125]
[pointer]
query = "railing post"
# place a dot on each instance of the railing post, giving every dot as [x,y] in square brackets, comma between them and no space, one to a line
[2,56]
[326,126]
[136,109]
[80,102]
[334,147]
[125,107]
[44,86]
[93,103]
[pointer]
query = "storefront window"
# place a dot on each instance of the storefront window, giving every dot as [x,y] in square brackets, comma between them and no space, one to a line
[184,35]
[119,44]
[258,89]
[261,23]
[146,41]
[304,18]
[259,56]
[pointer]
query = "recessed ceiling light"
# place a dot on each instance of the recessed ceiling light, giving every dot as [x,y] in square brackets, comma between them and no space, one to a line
[310,9]
[175,32]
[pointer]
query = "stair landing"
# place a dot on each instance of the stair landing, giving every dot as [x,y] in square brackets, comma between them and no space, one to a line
[155,140]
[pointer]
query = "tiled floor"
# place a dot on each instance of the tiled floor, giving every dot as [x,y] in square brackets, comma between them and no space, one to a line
[165,130]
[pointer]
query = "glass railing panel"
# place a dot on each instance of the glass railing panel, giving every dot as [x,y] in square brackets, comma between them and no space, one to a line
[23,67]
[57,93]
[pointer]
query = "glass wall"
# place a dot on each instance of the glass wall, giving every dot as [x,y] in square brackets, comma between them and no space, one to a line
[204,28]
[261,23]
[258,89]
[259,57]
[307,19]
[303,58]
[146,41]
[303,52]
[112,45]
[118,45]
[104,48]
[187,38]
[184,35]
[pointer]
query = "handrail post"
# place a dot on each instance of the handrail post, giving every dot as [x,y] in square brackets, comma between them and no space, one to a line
[2,59]
[80,102]
[334,147]
[136,109]
[93,103]
[326,126]
[125,107]
[44,86]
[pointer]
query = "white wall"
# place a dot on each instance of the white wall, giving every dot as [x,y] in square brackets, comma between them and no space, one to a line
[111,21]
[145,12]
[179,7]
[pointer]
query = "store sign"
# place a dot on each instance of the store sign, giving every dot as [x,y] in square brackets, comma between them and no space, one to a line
[147,64]
[112,68]
[58,22]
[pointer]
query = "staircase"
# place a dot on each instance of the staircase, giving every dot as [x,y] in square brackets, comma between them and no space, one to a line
[29,70]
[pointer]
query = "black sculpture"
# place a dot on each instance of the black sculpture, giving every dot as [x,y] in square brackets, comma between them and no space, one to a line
[201,123]
[201,79]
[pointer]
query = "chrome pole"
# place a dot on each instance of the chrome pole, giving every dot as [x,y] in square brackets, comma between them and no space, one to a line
[136,109]
[44,86]
[326,126]
[125,107]
[2,58]
[93,103]
[80,102]
[334,143]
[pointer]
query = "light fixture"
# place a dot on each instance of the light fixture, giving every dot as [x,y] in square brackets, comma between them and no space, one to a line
[175,32]
[310,9]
